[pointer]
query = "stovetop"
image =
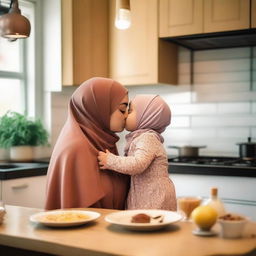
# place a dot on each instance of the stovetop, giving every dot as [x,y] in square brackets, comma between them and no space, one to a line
[227,162]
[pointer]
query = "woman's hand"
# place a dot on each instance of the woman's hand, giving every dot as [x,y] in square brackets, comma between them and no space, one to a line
[102,158]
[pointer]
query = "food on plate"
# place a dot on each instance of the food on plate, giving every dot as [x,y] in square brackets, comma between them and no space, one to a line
[141,218]
[64,217]
[204,216]
[230,216]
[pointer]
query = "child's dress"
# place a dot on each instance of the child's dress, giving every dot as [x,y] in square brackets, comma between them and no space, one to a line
[151,187]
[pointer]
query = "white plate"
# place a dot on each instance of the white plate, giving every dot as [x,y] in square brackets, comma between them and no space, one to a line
[40,218]
[123,219]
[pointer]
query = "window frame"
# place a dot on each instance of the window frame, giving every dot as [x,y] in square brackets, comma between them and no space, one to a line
[30,73]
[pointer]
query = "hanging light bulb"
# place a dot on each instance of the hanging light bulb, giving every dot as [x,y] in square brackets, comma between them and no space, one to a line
[13,25]
[123,14]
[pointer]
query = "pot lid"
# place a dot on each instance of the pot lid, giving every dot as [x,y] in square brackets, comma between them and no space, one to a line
[247,143]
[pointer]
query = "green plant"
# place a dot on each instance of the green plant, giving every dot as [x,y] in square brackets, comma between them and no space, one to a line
[17,130]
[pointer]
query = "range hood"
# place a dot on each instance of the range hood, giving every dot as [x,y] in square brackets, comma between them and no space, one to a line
[206,41]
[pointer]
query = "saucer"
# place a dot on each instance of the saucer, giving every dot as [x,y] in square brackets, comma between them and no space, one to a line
[199,232]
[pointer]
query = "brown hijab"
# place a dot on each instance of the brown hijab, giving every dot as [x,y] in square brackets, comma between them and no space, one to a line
[73,178]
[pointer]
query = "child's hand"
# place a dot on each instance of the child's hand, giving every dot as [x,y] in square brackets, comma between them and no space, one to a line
[102,158]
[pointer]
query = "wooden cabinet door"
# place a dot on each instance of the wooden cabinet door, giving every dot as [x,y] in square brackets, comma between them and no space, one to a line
[84,40]
[133,52]
[253,13]
[226,15]
[180,17]
[136,55]
[29,192]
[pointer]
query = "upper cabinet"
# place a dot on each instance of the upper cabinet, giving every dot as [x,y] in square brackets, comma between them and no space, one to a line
[253,13]
[186,17]
[137,56]
[226,15]
[180,17]
[84,40]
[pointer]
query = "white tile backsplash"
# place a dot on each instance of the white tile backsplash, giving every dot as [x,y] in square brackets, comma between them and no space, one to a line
[219,110]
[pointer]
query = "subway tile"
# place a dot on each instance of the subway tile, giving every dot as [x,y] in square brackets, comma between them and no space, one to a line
[59,116]
[183,55]
[221,77]
[184,79]
[253,134]
[173,133]
[60,100]
[227,97]
[184,68]
[220,54]
[220,88]
[180,121]
[232,108]
[182,97]
[254,86]
[223,121]
[253,107]
[193,109]
[233,132]
[220,66]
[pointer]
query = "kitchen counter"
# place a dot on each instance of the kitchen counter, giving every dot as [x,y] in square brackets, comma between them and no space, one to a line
[101,238]
[13,170]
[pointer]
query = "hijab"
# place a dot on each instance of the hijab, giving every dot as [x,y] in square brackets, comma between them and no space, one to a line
[152,115]
[73,178]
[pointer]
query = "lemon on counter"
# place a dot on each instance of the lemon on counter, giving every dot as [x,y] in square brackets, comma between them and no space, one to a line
[204,216]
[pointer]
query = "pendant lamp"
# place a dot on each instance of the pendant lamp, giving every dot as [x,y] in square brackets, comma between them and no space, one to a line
[13,25]
[123,14]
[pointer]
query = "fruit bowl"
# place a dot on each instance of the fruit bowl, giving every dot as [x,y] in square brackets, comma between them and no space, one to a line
[232,225]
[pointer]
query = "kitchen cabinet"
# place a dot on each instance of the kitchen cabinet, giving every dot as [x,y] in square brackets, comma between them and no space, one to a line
[226,15]
[84,40]
[137,56]
[186,17]
[241,201]
[253,13]
[29,191]
[180,17]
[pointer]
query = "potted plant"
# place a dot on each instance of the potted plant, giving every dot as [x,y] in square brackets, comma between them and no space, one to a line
[21,134]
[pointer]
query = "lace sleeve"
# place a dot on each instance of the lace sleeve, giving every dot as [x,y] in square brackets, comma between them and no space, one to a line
[143,155]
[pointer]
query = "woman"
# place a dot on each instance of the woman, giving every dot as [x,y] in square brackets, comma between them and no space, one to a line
[97,109]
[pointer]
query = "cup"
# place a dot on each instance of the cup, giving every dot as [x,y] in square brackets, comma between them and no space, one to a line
[187,204]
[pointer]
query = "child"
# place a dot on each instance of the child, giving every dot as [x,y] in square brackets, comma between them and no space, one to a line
[145,157]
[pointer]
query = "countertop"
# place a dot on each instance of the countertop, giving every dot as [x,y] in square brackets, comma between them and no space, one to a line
[14,170]
[101,238]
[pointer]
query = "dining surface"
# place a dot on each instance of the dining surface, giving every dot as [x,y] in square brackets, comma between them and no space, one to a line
[100,237]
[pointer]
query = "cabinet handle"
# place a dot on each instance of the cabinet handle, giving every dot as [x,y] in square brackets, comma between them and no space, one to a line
[20,186]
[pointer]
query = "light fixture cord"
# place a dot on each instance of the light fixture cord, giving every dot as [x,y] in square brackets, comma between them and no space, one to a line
[15,7]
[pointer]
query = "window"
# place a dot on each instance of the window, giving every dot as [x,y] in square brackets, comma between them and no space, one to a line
[17,68]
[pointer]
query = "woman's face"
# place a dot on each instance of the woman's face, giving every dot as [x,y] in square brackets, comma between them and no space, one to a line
[118,117]
[131,122]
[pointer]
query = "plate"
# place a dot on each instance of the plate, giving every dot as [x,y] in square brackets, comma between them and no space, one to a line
[123,219]
[64,218]
[200,232]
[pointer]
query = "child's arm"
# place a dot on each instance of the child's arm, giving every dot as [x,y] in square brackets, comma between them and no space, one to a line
[145,152]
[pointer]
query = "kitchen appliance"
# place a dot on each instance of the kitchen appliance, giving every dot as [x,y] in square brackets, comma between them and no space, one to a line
[206,165]
[247,150]
[188,151]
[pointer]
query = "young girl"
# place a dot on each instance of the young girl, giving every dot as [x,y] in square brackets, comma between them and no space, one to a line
[145,157]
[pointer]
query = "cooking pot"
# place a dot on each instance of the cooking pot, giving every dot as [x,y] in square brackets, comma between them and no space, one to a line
[188,151]
[247,150]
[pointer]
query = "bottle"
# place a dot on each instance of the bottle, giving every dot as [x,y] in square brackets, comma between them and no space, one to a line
[215,202]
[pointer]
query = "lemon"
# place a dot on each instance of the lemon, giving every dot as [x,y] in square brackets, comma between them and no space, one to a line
[204,216]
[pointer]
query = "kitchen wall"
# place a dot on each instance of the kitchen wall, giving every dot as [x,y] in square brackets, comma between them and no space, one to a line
[219,110]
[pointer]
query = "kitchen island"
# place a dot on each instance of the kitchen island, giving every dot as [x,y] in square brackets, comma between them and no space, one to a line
[101,238]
